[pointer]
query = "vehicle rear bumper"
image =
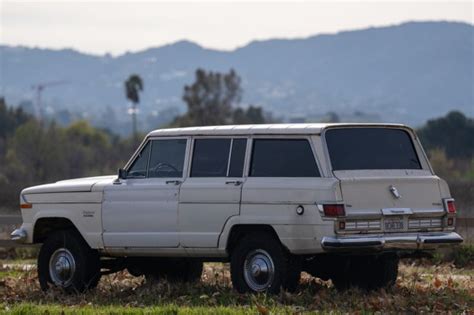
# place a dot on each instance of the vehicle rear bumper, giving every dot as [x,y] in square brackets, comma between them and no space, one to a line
[411,241]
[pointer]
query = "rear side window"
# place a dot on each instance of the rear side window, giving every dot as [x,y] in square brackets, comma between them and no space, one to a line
[371,149]
[210,158]
[283,158]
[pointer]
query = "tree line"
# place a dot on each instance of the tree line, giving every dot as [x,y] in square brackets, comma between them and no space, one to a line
[32,152]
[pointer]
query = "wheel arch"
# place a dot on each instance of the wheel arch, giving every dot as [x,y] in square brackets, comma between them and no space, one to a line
[46,225]
[237,231]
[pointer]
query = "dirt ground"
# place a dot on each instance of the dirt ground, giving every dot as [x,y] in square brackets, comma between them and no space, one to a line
[420,288]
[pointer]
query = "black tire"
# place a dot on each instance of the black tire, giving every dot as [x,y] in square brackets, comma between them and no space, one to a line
[194,271]
[341,274]
[366,272]
[384,272]
[293,275]
[182,270]
[86,274]
[287,269]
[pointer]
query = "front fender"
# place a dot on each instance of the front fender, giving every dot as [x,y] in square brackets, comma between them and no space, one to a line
[86,219]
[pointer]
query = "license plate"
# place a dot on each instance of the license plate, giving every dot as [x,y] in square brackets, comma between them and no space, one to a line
[393,224]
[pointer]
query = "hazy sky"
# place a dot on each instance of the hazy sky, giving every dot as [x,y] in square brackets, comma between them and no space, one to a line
[118,26]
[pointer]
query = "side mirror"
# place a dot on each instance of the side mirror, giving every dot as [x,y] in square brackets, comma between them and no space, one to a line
[122,174]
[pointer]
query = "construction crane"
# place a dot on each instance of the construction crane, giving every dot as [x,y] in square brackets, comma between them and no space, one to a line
[39,89]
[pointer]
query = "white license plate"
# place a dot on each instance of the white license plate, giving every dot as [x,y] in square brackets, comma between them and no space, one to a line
[394,224]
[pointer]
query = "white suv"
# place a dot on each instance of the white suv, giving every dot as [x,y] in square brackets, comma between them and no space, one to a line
[340,201]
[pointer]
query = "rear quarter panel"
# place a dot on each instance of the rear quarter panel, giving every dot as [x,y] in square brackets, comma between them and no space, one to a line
[273,201]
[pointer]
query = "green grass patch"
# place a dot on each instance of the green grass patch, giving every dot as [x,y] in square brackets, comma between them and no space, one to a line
[420,288]
[10,273]
[53,309]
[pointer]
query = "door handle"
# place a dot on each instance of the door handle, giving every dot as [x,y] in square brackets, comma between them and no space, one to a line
[175,182]
[235,182]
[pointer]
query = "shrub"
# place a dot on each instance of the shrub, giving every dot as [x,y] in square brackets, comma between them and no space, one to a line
[464,255]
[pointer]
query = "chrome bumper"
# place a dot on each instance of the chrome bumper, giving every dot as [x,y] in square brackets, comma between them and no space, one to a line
[19,235]
[412,241]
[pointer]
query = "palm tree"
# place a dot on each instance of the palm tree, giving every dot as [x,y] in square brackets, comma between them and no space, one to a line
[133,86]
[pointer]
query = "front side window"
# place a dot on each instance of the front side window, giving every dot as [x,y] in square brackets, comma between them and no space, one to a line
[371,149]
[283,158]
[210,157]
[140,165]
[167,158]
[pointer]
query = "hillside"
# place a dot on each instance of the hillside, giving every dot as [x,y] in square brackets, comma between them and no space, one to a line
[406,73]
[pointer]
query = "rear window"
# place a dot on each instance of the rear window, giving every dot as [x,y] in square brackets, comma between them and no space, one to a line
[371,149]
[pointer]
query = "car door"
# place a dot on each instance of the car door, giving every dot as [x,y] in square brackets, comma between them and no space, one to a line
[142,210]
[211,193]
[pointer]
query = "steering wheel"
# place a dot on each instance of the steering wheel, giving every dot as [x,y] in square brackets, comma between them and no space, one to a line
[160,165]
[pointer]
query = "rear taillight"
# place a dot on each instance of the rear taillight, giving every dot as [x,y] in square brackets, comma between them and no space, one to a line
[450,206]
[335,210]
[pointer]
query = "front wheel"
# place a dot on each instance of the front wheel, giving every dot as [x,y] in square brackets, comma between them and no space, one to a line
[66,261]
[260,264]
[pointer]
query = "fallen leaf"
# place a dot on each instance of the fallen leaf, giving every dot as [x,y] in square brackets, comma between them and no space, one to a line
[262,310]
[450,283]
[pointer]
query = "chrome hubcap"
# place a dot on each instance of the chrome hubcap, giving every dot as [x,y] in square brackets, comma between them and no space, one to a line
[259,270]
[62,267]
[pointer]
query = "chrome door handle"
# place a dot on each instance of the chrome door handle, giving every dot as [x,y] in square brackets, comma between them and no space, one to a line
[235,182]
[175,182]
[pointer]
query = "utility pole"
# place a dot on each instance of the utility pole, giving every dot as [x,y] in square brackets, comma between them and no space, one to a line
[39,90]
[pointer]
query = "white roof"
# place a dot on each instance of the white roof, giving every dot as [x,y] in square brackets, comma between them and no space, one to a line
[259,129]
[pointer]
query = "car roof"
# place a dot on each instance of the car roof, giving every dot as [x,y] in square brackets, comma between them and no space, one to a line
[261,129]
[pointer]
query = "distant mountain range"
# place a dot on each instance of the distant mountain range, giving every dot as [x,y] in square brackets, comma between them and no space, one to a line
[405,73]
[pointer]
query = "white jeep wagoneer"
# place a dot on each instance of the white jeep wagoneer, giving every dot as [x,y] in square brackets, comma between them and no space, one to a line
[339,201]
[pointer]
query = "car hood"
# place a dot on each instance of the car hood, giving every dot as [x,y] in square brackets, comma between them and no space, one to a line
[71,185]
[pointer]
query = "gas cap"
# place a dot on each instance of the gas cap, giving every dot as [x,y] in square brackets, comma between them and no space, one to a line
[299,210]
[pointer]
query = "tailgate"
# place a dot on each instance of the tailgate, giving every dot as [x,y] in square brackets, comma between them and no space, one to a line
[371,195]
[392,204]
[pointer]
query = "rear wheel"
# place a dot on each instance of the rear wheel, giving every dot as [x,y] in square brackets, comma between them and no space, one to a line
[366,272]
[384,271]
[260,264]
[66,261]
[342,274]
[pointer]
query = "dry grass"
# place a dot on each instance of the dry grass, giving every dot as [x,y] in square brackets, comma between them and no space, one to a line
[419,288]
